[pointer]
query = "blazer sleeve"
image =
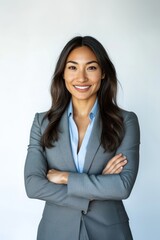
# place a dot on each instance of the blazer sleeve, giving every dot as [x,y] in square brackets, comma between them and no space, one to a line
[112,186]
[36,183]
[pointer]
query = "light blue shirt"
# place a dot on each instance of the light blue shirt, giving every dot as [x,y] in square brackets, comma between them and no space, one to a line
[79,158]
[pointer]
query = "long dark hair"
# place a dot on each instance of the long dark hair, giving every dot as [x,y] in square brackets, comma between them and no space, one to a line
[112,121]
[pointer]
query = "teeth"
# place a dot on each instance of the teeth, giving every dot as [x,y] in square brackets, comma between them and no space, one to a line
[82,87]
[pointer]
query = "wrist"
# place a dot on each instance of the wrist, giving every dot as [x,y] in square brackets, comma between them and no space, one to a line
[65,178]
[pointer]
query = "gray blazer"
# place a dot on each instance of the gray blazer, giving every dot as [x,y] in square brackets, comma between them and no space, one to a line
[90,207]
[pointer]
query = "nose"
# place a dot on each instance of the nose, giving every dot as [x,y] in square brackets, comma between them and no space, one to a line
[82,77]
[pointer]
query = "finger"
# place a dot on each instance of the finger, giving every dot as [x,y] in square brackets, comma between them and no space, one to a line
[111,165]
[118,171]
[114,167]
[51,170]
[118,166]
[115,160]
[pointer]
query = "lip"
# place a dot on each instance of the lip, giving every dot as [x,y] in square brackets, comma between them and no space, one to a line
[82,88]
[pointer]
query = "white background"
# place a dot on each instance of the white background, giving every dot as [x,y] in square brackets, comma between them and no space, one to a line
[32,34]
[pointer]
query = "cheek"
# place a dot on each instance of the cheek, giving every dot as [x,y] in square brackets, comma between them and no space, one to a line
[65,75]
[98,85]
[96,76]
[68,77]
[97,81]
[68,85]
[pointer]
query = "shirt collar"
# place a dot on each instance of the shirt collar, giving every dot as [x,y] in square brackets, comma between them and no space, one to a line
[92,113]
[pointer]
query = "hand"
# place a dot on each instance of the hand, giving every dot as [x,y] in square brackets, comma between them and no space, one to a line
[115,165]
[57,177]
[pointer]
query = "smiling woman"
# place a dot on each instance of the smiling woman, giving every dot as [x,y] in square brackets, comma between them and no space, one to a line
[84,151]
[82,75]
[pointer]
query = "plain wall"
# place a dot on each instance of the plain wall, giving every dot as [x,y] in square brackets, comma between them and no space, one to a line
[32,34]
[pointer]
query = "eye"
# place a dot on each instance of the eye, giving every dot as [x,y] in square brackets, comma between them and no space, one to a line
[91,68]
[72,67]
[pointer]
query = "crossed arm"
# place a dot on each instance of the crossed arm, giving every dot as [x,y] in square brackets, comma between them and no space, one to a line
[76,190]
[114,166]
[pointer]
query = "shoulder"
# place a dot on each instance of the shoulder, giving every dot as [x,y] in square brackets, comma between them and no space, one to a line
[131,123]
[130,120]
[128,115]
[40,116]
[40,120]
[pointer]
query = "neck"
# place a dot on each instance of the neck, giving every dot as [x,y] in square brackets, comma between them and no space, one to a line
[82,108]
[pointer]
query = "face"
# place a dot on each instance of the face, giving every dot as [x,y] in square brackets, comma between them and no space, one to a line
[82,74]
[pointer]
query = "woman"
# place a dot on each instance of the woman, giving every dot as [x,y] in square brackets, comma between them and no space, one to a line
[84,152]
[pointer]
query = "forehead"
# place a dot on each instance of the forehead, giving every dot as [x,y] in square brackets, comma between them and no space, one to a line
[82,53]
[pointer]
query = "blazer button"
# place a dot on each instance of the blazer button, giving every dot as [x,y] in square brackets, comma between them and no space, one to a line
[84,212]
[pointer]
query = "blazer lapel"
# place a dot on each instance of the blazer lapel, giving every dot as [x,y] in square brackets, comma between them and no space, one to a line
[65,145]
[64,142]
[94,143]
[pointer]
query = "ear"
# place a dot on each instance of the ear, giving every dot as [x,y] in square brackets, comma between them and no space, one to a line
[103,76]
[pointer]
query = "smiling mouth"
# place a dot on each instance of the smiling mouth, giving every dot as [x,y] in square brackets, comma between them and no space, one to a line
[86,87]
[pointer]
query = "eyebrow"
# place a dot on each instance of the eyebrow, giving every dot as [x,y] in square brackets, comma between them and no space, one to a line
[86,63]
